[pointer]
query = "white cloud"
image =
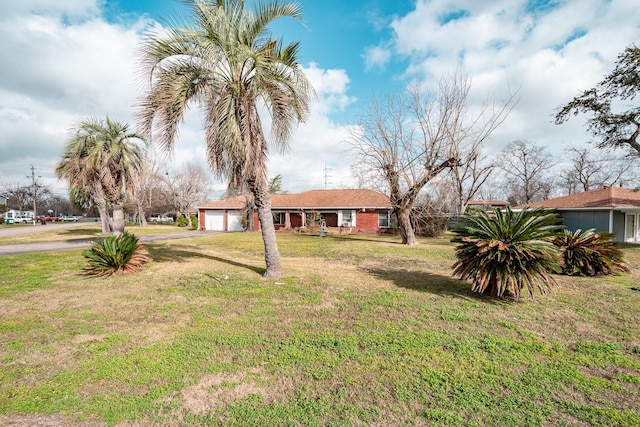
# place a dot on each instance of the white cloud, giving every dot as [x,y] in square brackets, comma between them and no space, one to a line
[550,55]
[63,62]
[320,142]
[376,57]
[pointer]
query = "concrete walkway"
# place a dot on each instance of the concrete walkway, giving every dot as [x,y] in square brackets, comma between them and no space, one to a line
[66,245]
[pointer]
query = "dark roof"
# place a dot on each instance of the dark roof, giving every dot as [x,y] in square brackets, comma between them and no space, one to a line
[609,197]
[315,199]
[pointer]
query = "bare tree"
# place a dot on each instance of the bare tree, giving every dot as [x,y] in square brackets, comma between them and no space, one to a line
[527,167]
[406,140]
[187,186]
[150,189]
[468,177]
[594,170]
[19,196]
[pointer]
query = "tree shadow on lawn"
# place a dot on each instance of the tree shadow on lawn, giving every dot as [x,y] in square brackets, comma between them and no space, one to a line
[164,253]
[437,284]
[82,231]
[351,237]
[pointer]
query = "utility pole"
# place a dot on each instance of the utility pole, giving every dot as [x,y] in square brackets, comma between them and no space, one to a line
[33,191]
[326,175]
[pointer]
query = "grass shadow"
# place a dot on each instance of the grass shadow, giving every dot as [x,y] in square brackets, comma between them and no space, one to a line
[165,253]
[82,231]
[422,281]
[358,237]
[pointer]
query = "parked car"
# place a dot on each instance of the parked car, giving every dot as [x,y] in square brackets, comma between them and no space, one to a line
[69,218]
[161,218]
[47,218]
[22,219]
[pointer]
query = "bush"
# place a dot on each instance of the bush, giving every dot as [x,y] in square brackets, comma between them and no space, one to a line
[506,251]
[589,253]
[182,221]
[194,221]
[432,225]
[115,255]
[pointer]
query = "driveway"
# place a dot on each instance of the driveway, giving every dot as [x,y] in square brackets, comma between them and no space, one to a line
[65,245]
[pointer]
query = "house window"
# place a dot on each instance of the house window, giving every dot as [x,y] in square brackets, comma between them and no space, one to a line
[386,219]
[278,218]
[346,218]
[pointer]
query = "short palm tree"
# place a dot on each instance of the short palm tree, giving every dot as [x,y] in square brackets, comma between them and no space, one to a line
[587,253]
[228,62]
[120,254]
[505,251]
[105,158]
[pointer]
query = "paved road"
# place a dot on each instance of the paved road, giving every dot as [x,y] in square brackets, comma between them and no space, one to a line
[18,229]
[65,245]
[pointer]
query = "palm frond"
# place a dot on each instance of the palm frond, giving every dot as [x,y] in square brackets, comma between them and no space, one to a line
[115,255]
[588,253]
[504,251]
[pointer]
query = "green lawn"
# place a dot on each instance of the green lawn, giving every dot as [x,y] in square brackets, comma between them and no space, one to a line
[361,331]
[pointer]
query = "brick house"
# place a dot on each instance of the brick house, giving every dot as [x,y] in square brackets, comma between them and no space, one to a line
[350,211]
[612,209]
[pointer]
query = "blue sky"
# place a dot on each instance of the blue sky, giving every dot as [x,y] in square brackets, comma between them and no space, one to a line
[65,60]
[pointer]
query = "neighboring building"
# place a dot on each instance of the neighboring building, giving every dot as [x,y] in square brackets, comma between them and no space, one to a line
[355,211]
[612,209]
[487,204]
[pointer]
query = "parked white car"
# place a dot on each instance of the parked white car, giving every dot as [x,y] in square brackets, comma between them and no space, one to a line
[68,218]
[22,219]
[161,218]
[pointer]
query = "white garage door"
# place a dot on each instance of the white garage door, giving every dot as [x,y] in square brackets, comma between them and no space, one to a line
[214,220]
[235,221]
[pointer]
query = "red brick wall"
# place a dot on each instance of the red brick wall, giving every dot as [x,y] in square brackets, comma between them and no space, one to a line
[366,222]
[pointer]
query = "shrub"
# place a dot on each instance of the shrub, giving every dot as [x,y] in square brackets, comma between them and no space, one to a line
[506,251]
[182,221]
[430,225]
[194,221]
[115,255]
[587,253]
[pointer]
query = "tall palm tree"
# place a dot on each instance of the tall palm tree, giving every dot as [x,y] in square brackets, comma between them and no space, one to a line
[228,62]
[82,179]
[506,251]
[102,156]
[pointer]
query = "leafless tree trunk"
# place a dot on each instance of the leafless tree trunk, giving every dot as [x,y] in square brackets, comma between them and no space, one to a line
[407,140]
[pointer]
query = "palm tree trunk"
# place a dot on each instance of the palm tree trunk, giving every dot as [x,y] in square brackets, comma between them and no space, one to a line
[271,253]
[406,229]
[104,216]
[118,220]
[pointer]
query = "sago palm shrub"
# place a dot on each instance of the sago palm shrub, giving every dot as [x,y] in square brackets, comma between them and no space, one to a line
[502,252]
[587,253]
[115,255]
